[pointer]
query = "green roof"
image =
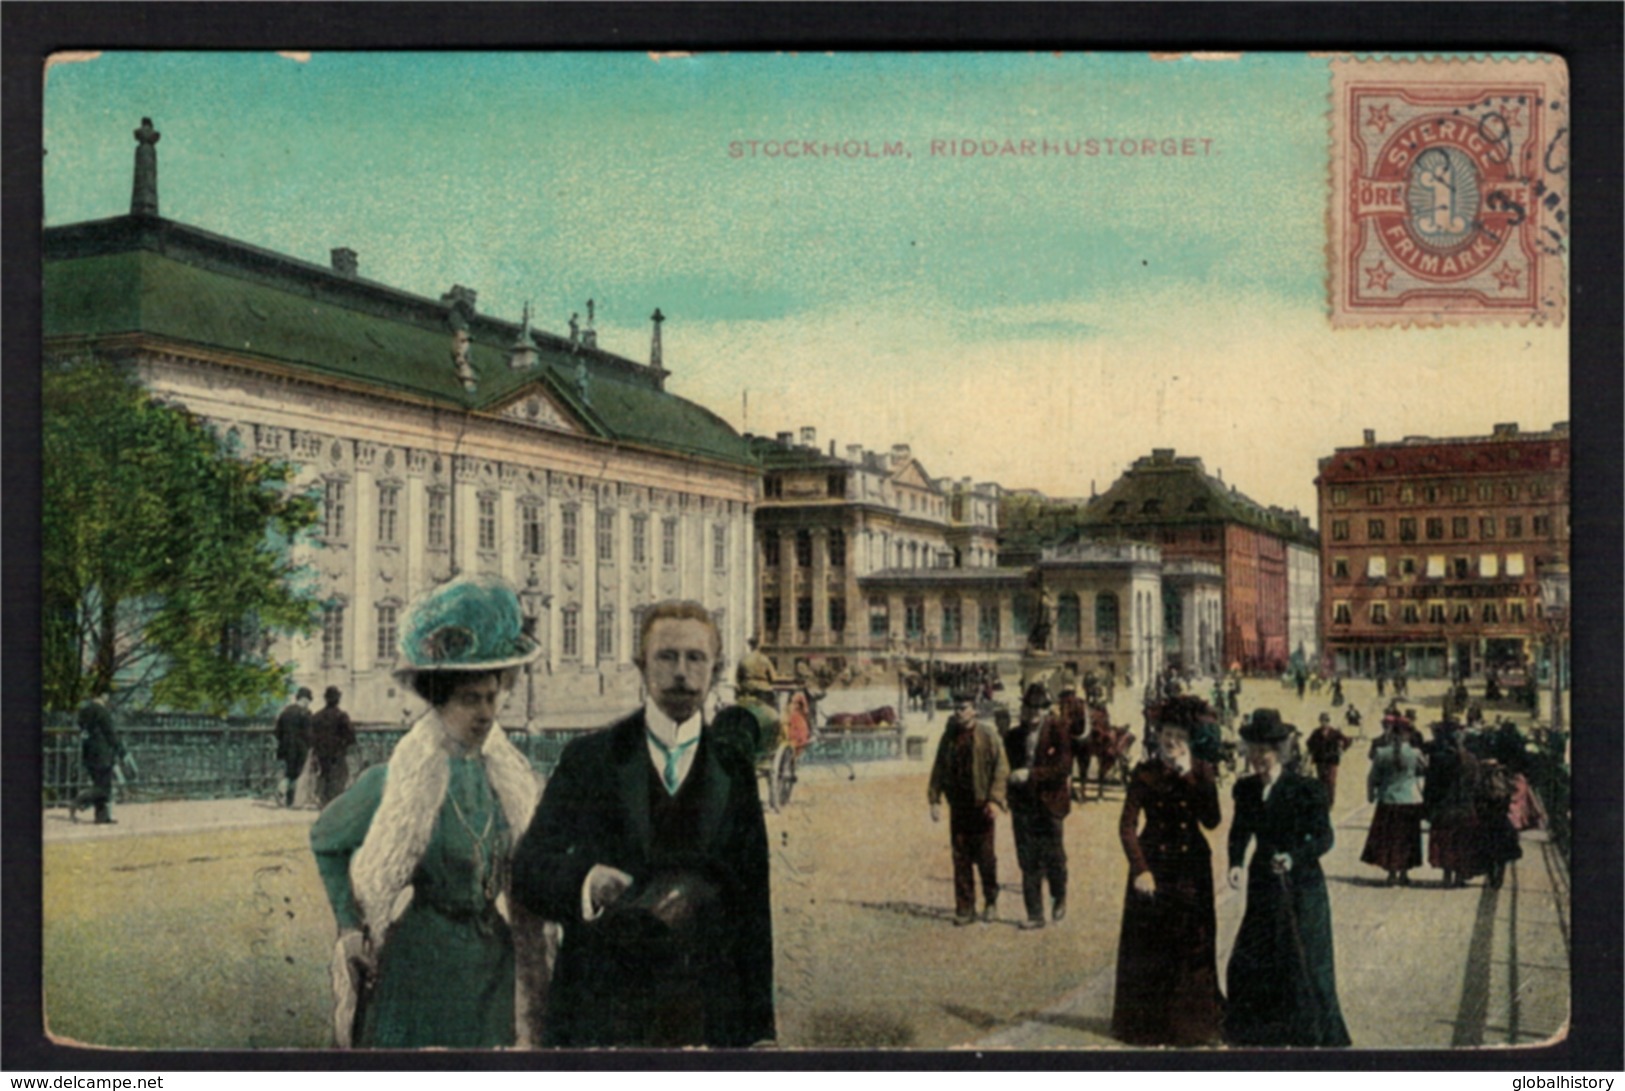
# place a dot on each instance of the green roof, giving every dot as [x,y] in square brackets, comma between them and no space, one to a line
[140,275]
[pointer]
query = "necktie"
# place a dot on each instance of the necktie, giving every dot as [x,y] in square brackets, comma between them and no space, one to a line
[674,754]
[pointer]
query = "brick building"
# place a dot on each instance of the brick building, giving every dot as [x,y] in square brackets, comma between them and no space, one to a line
[1432,548]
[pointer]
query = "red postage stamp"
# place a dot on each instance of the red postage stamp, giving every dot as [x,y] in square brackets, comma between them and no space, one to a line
[1449,195]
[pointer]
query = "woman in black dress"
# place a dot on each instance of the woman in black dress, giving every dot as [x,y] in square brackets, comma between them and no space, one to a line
[1167,969]
[1282,978]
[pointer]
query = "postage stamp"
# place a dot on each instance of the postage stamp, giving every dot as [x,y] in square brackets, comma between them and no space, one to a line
[1449,191]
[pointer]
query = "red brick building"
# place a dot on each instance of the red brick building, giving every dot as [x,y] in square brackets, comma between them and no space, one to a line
[1431,549]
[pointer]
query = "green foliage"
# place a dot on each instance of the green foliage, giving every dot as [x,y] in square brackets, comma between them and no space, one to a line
[166,568]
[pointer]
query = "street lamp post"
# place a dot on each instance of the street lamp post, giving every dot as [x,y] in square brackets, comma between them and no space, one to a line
[1554,610]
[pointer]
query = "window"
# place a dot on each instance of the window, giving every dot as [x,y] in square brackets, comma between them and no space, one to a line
[804,613]
[333,634]
[1068,615]
[837,613]
[1376,568]
[1514,564]
[1509,491]
[1435,529]
[1436,566]
[1491,614]
[913,619]
[803,549]
[1341,614]
[1412,614]
[1487,566]
[1340,530]
[1430,493]
[1152,506]
[1340,495]
[389,500]
[1515,612]
[388,630]
[532,540]
[1514,527]
[773,487]
[1373,494]
[1106,614]
[568,533]
[488,524]
[1407,530]
[606,536]
[1538,490]
[1407,494]
[1375,529]
[951,617]
[770,614]
[719,546]
[1379,613]
[437,519]
[1458,526]
[837,548]
[1458,492]
[1340,568]
[770,548]
[1407,566]
[1461,568]
[606,633]
[1209,536]
[1486,491]
[879,619]
[1541,526]
[1435,613]
[668,542]
[572,632]
[333,509]
[987,624]
[837,485]
[1486,526]
[1463,614]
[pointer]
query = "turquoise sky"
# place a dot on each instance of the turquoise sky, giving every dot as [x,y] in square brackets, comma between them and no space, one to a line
[869,296]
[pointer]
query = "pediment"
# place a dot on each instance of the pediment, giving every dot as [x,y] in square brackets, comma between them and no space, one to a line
[911,475]
[536,408]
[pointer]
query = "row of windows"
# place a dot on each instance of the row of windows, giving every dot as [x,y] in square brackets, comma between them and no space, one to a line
[387,631]
[1512,611]
[804,548]
[1068,618]
[1437,567]
[1460,492]
[1489,528]
[532,527]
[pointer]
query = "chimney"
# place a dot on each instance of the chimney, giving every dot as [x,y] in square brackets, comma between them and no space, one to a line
[786,439]
[809,436]
[1370,436]
[461,300]
[1162,454]
[144,192]
[900,454]
[345,262]
[1506,429]
[831,448]
[656,356]
[589,336]
[854,452]
[522,353]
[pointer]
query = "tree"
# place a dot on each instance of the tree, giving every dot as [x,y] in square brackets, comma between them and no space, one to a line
[166,567]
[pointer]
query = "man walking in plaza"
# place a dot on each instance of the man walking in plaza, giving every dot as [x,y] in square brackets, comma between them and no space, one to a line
[293,742]
[331,738]
[101,750]
[1326,745]
[650,849]
[971,772]
[1040,758]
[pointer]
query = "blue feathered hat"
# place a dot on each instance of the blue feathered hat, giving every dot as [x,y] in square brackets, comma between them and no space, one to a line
[469,624]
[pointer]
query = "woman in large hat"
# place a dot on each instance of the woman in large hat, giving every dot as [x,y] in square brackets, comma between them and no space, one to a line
[1282,980]
[431,951]
[1167,968]
[1395,840]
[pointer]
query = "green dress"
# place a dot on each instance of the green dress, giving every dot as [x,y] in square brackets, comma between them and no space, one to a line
[446,971]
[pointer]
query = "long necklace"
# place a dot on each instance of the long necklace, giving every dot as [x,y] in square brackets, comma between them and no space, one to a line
[483,867]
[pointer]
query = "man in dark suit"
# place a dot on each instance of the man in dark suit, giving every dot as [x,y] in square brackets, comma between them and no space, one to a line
[649,848]
[331,737]
[1040,756]
[101,751]
[293,741]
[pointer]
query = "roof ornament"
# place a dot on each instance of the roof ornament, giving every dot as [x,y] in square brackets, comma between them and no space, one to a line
[654,346]
[461,342]
[589,336]
[575,327]
[522,353]
[144,193]
[581,382]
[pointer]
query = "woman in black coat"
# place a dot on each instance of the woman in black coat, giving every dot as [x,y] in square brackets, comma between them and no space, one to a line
[1282,978]
[1167,967]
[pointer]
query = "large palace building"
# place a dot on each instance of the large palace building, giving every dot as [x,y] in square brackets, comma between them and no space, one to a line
[1433,548]
[441,441]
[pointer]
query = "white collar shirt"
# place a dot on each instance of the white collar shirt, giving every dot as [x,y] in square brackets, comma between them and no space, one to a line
[665,734]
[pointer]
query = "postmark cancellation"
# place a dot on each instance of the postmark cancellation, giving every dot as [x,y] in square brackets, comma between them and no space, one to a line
[1449,191]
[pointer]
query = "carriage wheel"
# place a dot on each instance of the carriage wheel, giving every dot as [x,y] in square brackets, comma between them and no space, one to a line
[782,777]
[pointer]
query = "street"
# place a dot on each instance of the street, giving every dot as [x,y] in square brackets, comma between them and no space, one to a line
[216,901]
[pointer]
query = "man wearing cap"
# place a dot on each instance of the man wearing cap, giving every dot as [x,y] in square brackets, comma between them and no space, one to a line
[1040,758]
[971,772]
[331,737]
[1326,745]
[649,847]
[293,741]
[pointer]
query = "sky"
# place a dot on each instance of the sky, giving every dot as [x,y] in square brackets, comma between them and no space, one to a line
[1035,320]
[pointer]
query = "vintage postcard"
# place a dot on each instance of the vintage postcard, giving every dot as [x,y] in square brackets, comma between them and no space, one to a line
[908,551]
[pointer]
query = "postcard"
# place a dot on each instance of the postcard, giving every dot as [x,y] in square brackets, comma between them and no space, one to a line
[905,551]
